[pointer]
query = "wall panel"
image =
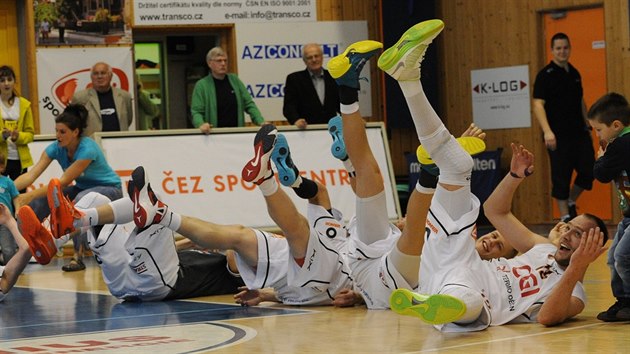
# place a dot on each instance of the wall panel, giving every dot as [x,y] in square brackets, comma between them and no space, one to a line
[494,33]
[9,48]
[481,34]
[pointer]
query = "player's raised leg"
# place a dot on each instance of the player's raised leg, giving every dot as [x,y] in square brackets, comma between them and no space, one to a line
[206,234]
[279,206]
[453,202]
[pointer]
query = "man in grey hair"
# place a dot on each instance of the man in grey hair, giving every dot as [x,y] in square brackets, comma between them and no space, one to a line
[221,99]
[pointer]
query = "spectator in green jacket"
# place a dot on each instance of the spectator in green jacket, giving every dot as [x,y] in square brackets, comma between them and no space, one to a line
[220,99]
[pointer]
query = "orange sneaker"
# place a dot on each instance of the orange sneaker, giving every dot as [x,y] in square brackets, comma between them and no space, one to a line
[39,239]
[62,211]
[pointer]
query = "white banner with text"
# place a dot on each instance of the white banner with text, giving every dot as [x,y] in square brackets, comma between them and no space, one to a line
[264,61]
[500,97]
[195,12]
[200,175]
[63,71]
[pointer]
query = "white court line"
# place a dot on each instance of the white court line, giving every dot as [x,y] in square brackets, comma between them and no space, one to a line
[507,338]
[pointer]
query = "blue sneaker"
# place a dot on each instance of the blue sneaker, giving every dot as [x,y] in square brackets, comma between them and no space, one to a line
[402,60]
[281,156]
[346,67]
[338,147]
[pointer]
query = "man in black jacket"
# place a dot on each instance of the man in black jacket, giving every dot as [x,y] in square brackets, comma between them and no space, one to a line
[310,95]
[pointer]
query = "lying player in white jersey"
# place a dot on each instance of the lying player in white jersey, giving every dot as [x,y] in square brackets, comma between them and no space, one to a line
[262,257]
[463,292]
[137,264]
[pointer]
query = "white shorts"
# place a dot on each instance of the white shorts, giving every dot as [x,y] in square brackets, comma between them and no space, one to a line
[449,256]
[272,270]
[141,267]
[325,267]
[448,244]
[375,277]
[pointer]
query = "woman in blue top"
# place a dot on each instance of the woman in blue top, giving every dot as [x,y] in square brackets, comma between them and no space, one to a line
[82,162]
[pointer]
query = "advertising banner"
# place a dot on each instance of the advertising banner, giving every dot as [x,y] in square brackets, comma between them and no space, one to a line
[200,175]
[63,71]
[196,12]
[264,61]
[500,97]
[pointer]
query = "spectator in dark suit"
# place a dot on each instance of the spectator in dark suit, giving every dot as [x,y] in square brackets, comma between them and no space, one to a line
[310,95]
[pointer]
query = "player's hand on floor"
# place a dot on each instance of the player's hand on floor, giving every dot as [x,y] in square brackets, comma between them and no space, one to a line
[247,297]
[347,298]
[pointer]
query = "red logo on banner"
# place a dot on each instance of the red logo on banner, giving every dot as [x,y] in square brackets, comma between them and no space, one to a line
[64,88]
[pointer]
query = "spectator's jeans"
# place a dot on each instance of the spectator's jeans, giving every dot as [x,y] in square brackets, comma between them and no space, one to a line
[619,260]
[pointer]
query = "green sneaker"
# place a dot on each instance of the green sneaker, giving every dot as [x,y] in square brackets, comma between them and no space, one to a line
[433,309]
[402,61]
[346,67]
[472,145]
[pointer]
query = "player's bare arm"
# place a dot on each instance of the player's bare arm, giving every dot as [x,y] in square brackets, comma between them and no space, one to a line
[561,305]
[498,206]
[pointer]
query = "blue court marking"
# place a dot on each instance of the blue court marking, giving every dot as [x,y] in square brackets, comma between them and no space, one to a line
[27,313]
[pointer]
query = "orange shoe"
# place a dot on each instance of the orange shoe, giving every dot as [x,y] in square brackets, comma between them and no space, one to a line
[62,211]
[39,239]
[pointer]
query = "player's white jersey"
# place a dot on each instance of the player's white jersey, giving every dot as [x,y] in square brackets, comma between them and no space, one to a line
[325,267]
[520,285]
[514,289]
[323,274]
[141,266]
[375,277]
[136,266]
[272,272]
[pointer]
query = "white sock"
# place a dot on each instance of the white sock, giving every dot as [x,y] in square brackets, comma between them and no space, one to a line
[424,116]
[90,218]
[268,187]
[410,88]
[407,265]
[453,161]
[171,220]
[424,190]
[123,210]
[349,108]
[349,167]
[298,182]
[472,299]
[59,242]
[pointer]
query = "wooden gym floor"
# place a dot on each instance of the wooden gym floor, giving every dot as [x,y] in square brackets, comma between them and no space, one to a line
[50,311]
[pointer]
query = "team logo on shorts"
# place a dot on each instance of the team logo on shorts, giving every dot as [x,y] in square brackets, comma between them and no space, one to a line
[432,227]
[381,275]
